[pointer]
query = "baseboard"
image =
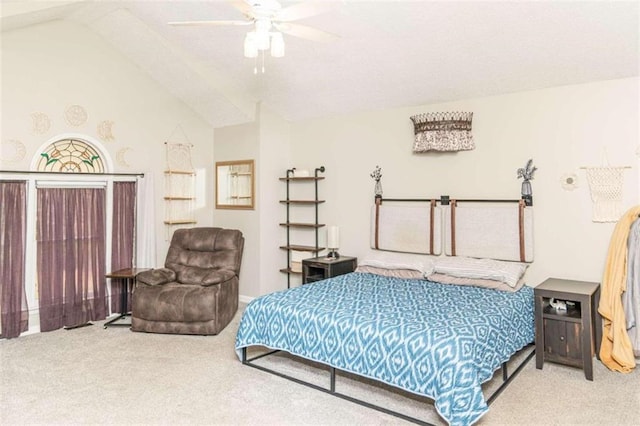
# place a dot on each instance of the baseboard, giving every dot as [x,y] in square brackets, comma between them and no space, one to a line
[245,299]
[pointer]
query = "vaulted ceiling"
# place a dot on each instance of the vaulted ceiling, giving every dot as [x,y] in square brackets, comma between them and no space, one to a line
[387,54]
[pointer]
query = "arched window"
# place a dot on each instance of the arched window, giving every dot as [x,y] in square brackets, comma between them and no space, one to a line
[71,155]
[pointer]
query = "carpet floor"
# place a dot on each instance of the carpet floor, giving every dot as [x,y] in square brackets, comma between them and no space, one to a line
[92,375]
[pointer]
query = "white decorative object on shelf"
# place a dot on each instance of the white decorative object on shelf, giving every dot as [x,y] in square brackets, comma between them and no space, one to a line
[301,173]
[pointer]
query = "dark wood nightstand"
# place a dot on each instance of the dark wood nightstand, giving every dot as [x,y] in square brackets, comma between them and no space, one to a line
[320,268]
[570,336]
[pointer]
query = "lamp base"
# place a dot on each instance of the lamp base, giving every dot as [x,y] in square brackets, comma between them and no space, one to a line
[333,254]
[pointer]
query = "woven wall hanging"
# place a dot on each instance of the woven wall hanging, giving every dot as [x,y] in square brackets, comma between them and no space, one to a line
[605,185]
[443,131]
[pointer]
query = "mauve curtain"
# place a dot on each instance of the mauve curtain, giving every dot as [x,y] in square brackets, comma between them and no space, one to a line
[122,238]
[14,313]
[71,256]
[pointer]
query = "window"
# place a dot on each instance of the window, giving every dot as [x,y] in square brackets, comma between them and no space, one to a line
[70,156]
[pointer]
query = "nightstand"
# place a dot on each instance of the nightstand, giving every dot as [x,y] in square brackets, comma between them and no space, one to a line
[570,336]
[320,268]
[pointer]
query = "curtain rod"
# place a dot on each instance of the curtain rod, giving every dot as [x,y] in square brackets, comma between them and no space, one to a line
[36,172]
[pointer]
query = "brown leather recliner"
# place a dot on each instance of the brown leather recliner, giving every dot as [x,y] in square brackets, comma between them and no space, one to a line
[197,290]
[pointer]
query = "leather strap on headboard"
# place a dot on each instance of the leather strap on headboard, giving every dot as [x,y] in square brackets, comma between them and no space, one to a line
[431,225]
[378,201]
[521,207]
[453,227]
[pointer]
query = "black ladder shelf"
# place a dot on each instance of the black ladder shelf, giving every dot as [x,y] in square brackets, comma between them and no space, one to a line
[289,247]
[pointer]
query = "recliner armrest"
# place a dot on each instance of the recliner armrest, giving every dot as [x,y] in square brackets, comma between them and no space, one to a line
[217,276]
[156,276]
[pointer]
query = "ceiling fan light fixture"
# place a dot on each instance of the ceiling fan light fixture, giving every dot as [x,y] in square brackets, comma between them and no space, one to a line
[262,41]
[277,45]
[250,46]
[262,33]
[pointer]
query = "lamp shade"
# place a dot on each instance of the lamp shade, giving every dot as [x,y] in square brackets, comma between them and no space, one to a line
[277,45]
[333,237]
[250,47]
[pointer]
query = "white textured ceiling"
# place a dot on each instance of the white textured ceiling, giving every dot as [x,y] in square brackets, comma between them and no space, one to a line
[388,54]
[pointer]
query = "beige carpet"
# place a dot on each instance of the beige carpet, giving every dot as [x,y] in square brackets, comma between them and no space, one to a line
[93,375]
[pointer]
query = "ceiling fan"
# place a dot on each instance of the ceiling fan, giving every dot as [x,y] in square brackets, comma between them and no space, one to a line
[270,21]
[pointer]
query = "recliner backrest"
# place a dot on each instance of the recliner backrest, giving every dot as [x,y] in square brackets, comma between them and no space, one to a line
[205,248]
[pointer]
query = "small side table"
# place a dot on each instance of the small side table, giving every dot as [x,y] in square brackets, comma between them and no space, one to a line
[320,268]
[126,276]
[570,336]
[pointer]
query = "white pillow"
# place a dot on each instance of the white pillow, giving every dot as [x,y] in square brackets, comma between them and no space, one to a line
[395,260]
[397,273]
[488,269]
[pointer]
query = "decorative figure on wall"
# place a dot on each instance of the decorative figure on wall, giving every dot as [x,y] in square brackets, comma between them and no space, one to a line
[443,131]
[41,123]
[12,151]
[75,115]
[120,157]
[526,173]
[569,181]
[377,175]
[104,130]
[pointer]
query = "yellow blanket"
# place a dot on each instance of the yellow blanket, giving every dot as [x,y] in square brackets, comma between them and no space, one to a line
[616,351]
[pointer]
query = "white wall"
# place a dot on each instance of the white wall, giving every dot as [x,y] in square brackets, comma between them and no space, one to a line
[267,142]
[241,143]
[48,67]
[275,159]
[561,128]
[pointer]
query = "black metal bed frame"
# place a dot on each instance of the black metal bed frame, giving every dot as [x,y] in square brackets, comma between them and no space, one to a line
[445,200]
[331,390]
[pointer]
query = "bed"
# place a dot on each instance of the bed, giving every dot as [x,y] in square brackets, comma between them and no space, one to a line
[390,322]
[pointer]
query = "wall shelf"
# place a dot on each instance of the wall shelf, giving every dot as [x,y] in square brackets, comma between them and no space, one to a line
[179,188]
[290,225]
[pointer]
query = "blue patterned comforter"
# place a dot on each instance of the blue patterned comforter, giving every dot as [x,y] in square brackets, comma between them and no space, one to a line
[441,341]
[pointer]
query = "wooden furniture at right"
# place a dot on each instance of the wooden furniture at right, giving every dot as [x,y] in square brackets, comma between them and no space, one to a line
[321,268]
[570,336]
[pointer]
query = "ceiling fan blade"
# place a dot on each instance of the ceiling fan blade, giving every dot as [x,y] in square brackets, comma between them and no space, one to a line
[305,32]
[244,8]
[193,23]
[304,10]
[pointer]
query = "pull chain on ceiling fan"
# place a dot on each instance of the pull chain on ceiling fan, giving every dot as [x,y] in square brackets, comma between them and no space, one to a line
[267,16]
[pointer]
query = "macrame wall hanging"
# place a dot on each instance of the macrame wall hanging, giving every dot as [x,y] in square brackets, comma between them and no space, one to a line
[443,131]
[180,184]
[605,185]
